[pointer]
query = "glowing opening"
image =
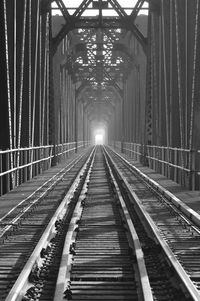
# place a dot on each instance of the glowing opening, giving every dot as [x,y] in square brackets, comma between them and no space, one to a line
[99,139]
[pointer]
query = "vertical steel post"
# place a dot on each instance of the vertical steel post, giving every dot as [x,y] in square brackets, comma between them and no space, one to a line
[123,117]
[76,120]
[192,169]
[7,168]
[35,79]
[1,178]
[84,145]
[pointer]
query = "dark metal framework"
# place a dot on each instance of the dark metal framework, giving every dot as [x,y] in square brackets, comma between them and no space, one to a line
[98,59]
[76,19]
[173,93]
[50,98]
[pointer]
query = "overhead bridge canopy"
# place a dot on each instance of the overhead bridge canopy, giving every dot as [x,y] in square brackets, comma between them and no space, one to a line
[100,14]
[95,41]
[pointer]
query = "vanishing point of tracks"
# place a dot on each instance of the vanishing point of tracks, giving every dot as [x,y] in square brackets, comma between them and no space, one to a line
[97,246]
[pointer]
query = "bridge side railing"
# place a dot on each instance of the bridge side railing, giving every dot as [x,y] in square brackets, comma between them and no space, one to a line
[180,165]
[20,165]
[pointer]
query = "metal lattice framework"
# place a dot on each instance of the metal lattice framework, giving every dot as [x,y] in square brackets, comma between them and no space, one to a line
[50,97]
[77,20]
[99,61]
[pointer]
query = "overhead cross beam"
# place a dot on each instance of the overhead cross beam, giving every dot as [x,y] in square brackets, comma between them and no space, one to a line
[90,22]
[114,84]
[80,10]
[129,25]
[63,10]
[75,20]
[86,61]
[136,9]
[70,22]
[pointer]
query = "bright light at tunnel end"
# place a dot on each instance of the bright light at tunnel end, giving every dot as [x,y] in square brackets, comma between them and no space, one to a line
[99,139]
[98,133]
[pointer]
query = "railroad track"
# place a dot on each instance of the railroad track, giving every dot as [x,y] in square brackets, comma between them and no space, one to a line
[16,214]
[22,227]
[171,220]
[103,261]
[99,247]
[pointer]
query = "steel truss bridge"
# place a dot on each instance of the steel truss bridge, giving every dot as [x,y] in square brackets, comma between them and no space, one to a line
[128,68]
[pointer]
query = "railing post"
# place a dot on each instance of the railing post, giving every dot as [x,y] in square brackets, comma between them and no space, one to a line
[160,158]
[154,156]
[8,175]
[122,146]
[21,171]
[76,121]
[33,165]
[1,178]
[26,168]
[131,150]
[67,149]
[30,167]
[54,159]
[144,159]
[163,159]
[175,163]
[37,165]
[40,157]
[192,169]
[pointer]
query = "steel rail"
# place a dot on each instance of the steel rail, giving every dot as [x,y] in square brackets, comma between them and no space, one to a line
[63,279]
[64,271]
[22,284]
[145,217]
[144,279]
[189,212]
[65,265]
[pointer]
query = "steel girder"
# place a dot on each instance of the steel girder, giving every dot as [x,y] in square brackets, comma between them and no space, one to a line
[173,77]
[77,21]
[99,60]
[96,63]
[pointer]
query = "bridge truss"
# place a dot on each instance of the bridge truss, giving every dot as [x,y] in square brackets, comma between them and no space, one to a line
[136,75]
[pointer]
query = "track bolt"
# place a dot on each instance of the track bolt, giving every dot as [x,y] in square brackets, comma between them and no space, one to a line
[58,224]
[72,249]
[45,251]
[31,292]
[68,294]
[53,240]
[76,229]
[83,203]
[34,274]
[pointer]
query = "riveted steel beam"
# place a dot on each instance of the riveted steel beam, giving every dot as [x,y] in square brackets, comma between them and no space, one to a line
[129,25]
[75,20]
[90,22]
[136,9]
[63,10]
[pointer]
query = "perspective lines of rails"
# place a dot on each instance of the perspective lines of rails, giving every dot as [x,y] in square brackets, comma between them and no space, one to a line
[113,236]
